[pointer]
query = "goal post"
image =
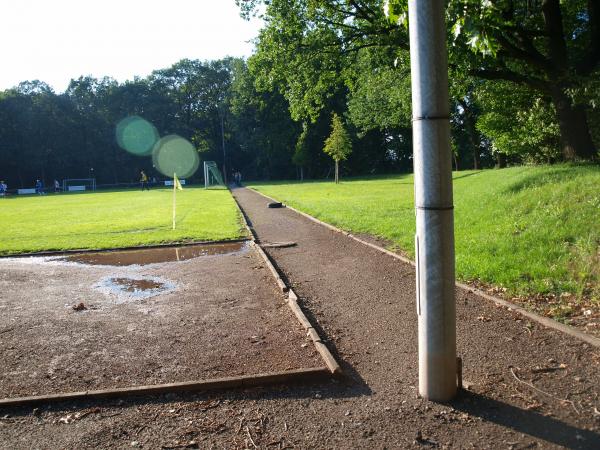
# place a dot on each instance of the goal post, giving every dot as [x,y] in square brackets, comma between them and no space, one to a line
[212,175]
[78,184]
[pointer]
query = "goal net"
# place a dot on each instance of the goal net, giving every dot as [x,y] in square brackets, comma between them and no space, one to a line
[79,184]
[212,176]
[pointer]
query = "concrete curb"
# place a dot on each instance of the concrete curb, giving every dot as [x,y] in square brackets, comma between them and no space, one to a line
[545,321]
[292,301]
[243,381]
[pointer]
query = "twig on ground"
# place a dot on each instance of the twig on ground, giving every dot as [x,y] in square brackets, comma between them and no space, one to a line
[110,415]
[250,437]
[87,413]
[543,392]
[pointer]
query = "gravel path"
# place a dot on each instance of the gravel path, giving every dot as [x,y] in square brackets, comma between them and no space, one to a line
[219,316]
[363,302]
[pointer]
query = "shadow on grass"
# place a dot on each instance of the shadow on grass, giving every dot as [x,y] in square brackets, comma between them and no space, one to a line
[382,177]
[526,421]
[458,177]
[554,175]
[398,178]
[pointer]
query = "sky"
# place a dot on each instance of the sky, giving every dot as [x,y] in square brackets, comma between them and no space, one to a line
[56,40]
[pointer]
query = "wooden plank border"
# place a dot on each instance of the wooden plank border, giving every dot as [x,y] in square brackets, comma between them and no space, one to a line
[271,378]
[243,381]
[292,301]
[545,321]
[71,252]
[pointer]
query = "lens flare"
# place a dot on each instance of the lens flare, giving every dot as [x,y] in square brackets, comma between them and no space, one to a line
[136,135]
[174,154]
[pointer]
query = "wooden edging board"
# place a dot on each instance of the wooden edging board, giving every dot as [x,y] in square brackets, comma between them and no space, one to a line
[332,367]
[187,386]
[123,249]
[292,301]
[545,321]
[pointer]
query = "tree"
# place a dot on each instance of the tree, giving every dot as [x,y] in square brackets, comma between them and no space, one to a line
[552,47]
[54,136]
[519,123]
[301,152]
[549,46]
[263,131]
[338,144]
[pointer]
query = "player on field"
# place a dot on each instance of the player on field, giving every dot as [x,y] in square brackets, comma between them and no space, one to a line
[144,180]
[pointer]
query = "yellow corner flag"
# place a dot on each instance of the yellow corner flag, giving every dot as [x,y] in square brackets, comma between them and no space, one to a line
[177,183]
[176,187]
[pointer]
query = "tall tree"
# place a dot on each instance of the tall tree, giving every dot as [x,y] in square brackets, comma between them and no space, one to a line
[549,46]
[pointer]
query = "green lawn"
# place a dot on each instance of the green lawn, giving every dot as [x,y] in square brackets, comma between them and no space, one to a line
[528,229]
[115,219]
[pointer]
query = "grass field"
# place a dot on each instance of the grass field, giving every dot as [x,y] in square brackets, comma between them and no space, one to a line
[115,219]
[531,230]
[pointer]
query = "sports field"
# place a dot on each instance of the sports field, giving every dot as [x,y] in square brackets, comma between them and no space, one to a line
[530,230]
[116,219]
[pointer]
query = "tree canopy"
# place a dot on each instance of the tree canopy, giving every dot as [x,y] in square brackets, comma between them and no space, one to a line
[524,85]
[312,49]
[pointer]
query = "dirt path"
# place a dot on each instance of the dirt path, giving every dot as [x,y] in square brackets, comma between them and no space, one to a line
[216,316]
[363,301]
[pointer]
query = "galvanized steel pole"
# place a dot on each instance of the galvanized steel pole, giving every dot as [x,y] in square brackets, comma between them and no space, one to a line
[434,240]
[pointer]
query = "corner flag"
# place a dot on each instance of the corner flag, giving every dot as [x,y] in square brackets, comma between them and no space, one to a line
[176,187]
[176,183]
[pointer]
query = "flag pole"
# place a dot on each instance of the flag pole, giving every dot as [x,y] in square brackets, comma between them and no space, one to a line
[174,192]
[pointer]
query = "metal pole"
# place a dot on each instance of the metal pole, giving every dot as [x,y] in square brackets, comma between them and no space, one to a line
[434,241]
[223,145]
[174,197]
[205,177]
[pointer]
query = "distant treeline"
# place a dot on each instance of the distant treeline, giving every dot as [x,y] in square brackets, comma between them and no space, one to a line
[524,87]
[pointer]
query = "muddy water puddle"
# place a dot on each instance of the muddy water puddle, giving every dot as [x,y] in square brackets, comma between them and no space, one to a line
[129,288]
[131,285]
[146,256]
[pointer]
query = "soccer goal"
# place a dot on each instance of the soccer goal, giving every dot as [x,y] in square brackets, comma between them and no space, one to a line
[78,184]
[212,176]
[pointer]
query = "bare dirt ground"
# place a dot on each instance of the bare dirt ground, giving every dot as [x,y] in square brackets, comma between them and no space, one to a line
[67,327]
[530,387]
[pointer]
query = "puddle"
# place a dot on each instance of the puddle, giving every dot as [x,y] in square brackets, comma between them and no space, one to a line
[146,256]
[131,285]
[127,288]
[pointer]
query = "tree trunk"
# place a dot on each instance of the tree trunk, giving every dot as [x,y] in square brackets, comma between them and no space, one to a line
[472,133]
[575,137]
[476,158]
[301,173]
[500,161]
[337,179]
[474,140]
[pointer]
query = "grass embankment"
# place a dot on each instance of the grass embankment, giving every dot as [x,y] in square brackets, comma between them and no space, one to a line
[530,230]
[115,219]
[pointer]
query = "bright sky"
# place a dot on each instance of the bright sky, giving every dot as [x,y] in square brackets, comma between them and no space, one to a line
[56,40]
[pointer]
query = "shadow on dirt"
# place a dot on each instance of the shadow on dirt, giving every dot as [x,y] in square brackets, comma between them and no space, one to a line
[350,385]
[526,421]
